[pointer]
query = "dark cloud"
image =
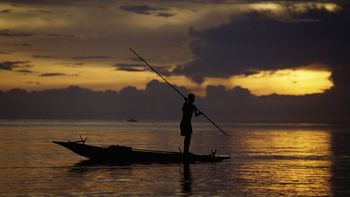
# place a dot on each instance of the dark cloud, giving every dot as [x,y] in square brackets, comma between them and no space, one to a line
[259,41]
[48,2]
[137,67]
[25,71]
[91,57]
[33,82]
[158,101]
[6,11]
[7,65]
[43,56]
[243,1]
[140,9]
[10,65]
[164,14]
[9,33]
[130,67]
[56,74]
[46,11]
[71,64]
[52,74]
[60,35]
[147,10]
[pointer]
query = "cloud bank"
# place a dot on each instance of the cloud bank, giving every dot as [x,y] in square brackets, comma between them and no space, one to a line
[10,65]
[158,102]
[261,41]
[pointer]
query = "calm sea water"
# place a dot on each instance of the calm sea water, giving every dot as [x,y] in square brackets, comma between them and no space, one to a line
[266,160]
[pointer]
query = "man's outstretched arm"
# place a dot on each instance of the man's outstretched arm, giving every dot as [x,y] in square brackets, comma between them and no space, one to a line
[197,112]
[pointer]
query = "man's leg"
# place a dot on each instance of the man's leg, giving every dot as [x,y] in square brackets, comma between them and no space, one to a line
[187,142]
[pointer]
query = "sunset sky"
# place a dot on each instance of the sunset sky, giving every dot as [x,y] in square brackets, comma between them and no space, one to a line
[267,47]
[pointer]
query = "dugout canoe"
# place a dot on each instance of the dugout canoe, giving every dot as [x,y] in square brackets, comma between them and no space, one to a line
[124,154]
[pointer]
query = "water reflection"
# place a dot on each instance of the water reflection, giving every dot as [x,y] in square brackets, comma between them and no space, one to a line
[341,162]
[132,179]
[288,143]
[265,160]
[187,179]
[287,162]
[105,174]
[129,179]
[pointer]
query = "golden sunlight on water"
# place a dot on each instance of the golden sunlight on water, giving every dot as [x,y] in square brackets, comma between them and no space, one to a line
[293,162]
[266,159]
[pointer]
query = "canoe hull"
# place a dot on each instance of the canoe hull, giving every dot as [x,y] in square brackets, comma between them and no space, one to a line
[122,154]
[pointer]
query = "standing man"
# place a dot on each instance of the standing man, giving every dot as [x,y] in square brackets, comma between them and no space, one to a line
[186,127]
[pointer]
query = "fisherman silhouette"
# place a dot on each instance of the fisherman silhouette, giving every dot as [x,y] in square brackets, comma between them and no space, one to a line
[185,126]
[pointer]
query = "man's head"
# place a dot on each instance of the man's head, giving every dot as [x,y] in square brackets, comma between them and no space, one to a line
[191,97]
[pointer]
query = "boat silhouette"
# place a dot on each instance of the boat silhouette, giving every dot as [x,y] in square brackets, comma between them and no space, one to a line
[124,154]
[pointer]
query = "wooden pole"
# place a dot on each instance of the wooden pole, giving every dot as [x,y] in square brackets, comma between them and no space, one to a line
[174,88]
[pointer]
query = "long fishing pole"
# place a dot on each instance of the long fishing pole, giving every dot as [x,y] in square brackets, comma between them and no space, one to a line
[171,85]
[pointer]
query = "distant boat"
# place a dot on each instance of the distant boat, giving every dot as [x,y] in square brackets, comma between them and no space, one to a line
[131,120]
[124,154]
